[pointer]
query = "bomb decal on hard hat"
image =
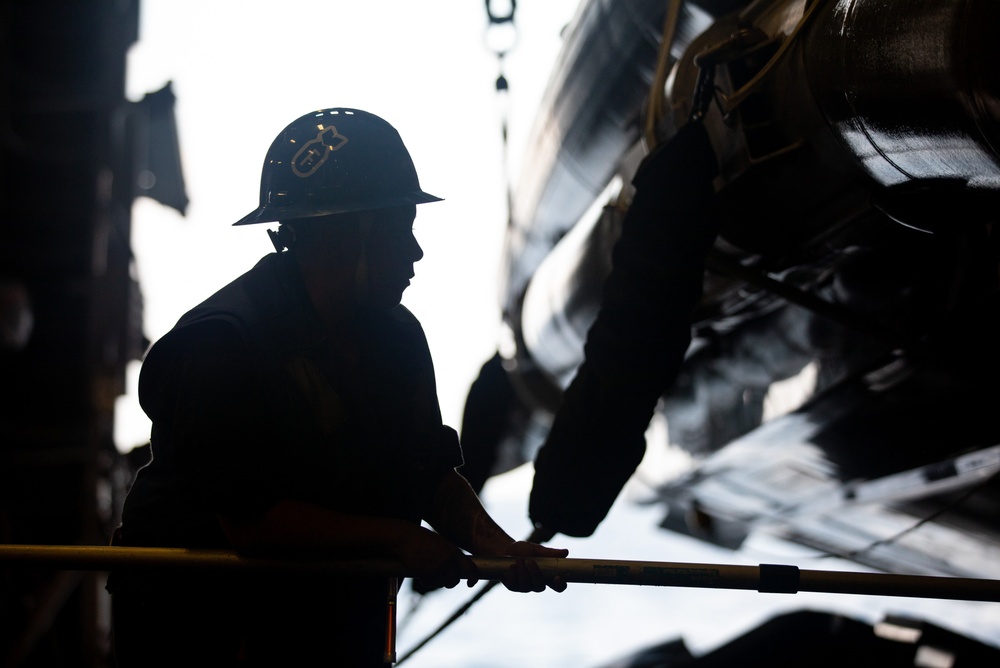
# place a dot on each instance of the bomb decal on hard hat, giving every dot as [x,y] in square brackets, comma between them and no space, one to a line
[302,178]
[312,156]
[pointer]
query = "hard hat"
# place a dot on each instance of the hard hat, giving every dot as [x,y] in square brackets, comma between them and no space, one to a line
[335,161]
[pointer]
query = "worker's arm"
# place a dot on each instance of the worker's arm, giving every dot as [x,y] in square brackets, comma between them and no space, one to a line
[457,513]
[307,529]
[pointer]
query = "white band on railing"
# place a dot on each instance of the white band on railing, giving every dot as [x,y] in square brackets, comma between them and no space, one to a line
[766,578]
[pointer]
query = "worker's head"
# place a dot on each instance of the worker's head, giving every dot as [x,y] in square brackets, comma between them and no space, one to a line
[345,189]
[370,253]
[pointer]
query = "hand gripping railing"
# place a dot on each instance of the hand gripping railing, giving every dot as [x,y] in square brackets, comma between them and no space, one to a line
[768,578]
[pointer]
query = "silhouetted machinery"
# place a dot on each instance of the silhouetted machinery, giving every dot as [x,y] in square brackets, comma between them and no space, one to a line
[74,154]
[858,143]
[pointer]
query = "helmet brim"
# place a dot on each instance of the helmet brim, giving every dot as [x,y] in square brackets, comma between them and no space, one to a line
[273,214]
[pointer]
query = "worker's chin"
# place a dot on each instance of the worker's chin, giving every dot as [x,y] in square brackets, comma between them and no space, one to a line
[386,301]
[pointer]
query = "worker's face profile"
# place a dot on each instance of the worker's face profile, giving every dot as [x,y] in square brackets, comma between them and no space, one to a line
[392,250]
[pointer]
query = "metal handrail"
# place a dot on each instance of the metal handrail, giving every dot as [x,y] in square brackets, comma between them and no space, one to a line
[767,578]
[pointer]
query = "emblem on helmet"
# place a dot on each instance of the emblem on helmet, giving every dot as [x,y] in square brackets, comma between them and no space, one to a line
[301,178]
[315,152]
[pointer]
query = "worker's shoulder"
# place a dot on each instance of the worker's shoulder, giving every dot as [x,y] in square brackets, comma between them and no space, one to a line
[404,316]
[254,306]
[404,323]
[205,336]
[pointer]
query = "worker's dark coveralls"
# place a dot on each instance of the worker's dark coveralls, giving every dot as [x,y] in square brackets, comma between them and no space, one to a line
[250,406]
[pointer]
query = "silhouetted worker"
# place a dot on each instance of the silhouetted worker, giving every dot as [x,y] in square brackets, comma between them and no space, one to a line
[636,345]
[295,413]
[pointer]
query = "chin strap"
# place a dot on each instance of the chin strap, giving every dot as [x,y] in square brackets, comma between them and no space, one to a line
[276,240]
[282,238]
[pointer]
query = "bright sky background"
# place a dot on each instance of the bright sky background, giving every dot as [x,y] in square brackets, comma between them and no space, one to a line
[242,71]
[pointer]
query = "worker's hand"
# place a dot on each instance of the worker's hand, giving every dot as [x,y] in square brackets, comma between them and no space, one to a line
[524,575]
[541,534]
[435,561]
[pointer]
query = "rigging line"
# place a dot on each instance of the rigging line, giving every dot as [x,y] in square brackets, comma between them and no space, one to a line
[962,498]
[654,109]
[537,536]
[737,97]
[503,98]
[827,554]
[448,622]
[497,23]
